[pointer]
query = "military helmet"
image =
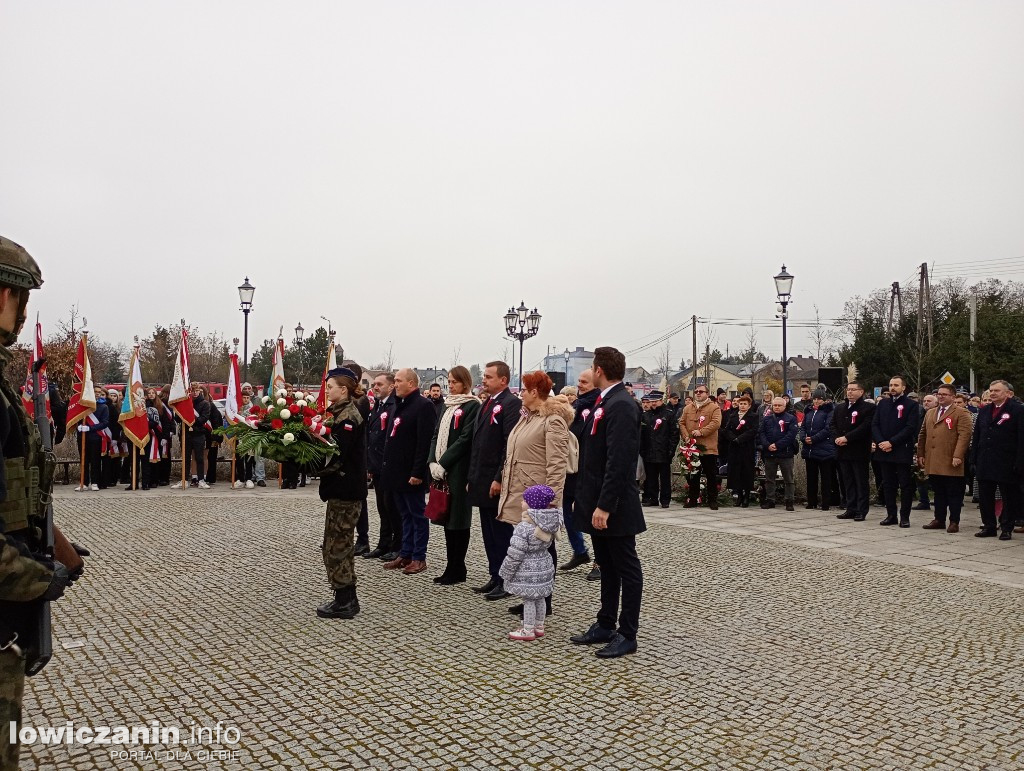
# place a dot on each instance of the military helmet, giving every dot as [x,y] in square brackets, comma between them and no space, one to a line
[17,268]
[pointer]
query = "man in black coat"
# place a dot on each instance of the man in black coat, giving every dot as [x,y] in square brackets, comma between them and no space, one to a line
[584,405]
[998,455]
[608,506]
[390,541]
[894,430]
[662,440]
[851,423]
[495,421]
[404,470]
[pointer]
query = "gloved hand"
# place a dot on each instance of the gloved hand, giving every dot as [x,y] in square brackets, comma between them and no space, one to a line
[437,471]
[83,429]
[81,550]
[60,581]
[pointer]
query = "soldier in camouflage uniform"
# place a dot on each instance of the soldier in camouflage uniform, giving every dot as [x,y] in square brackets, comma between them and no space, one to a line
[343,487]
[25,577]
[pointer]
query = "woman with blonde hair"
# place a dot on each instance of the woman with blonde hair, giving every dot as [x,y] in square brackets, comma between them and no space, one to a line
[449,462]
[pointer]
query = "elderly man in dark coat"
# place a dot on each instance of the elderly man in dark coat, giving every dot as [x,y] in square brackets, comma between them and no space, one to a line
[662,440]
[608,506]
[998,453]
[851,425]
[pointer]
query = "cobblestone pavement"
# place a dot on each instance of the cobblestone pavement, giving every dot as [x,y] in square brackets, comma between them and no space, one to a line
[754,653]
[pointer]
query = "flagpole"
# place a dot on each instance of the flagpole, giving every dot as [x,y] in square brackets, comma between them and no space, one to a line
[232,445]
[184,432]
[135,460]
[82,481]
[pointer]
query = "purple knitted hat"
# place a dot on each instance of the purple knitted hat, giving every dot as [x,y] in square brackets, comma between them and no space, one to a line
[539,496]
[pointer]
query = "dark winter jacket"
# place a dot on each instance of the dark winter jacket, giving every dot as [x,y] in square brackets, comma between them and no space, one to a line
[817,427]
[344,479]
[998,446]
[583,407]
[744,436]
[376,432]
[854,423]
[780,430]
[102,415]
[898,421]
[662,435]
[407,444]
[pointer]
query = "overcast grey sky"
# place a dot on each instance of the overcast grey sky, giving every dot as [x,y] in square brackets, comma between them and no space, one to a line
[411,169]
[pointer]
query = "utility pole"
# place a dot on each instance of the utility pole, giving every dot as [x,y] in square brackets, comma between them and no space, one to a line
[920,309]
[928,304]
[895,305]
[974,330]
[693,363]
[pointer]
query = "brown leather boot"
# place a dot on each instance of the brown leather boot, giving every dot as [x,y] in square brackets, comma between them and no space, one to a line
[397,562]
[954,527]
[934,525]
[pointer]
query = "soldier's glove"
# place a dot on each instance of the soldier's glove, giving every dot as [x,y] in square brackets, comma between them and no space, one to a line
[60,581]
[83,429]
[82,551]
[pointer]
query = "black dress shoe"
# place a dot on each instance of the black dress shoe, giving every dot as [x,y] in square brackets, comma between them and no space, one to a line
[1005,535]
[904,523]
[860,518]
[489,586]
[450,580]
[825,508]
[362,549]
[664,505]
[594,574]
[389,556]
[576,561]
[596,634]
[375,554]
[889,521]
[983,533]
[617,646]
[498,592]
[261,483]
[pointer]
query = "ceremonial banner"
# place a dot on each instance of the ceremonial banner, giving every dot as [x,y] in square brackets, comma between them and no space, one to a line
[332,363]
[233,400]
[83,393]
[28,393]
[180,399]
[277,380]
[133,418]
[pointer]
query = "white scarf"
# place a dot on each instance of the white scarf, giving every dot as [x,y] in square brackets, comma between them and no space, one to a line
[451,403]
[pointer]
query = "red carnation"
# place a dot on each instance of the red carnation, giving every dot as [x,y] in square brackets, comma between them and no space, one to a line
[308,411]
[308,421]
[276,423]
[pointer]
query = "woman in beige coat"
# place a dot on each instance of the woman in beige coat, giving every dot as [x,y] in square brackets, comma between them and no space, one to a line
[537,453]
[538,447]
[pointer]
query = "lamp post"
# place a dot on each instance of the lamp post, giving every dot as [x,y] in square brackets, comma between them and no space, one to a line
[299,332]
[566,355]
[784,288]
[527,322]
[245,293]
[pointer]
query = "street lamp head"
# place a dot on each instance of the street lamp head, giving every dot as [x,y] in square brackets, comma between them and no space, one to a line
[510,322]
[533,322]
[299,331]
[784,285]
[522,310]
[245,293]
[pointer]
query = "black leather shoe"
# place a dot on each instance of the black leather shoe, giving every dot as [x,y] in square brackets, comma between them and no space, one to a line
[576,561]
[1005,535]
[846,515]
[923,507]
[594,574]
[389,556]
[362,549]
[375,554]
[617,646]
[983,533]
[904,523]
[488,587]
[889,521]
[859,518]
[498,592]
[344,604]
[596,634]
[665,505]
[789,506]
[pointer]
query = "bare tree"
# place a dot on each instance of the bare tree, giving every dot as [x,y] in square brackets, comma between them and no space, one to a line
[822,336]
[664,360]
[456,355]
[750,353]
[389,357]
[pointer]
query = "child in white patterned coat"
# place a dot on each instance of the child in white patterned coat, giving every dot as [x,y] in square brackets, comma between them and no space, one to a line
[528,570]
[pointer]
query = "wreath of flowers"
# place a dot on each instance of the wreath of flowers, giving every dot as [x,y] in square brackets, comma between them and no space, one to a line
[284,428]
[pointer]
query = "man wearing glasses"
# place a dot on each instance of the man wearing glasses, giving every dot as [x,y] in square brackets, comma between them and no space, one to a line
[700,421]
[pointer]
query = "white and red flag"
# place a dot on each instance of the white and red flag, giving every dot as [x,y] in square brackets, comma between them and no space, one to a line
[180,399]
[83,392]
[133,418]
[28,393]
[277,380]
[332,363]
[233,400]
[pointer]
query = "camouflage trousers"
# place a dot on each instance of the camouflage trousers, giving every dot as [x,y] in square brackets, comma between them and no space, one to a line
[12,686]
[339,542]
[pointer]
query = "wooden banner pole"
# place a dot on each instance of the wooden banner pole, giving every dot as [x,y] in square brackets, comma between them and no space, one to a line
[82,481]
[184,435]
[135,464]
[232,445]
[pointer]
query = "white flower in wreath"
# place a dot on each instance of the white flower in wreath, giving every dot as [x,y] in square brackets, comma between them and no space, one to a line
[288,438]
[285,414]
[281,402]
[282,393]
[300,403]
[266,400]
[298,394]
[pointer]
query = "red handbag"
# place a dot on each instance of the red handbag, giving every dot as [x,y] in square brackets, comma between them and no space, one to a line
[439,503]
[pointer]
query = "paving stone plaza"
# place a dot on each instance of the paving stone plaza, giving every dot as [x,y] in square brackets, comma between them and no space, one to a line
[768,640]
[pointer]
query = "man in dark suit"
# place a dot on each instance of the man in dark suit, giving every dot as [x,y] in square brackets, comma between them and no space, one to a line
[390,541]
[608,506]
[404,471]
[497,418]
[851,423]
[894,429]
[998,454]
